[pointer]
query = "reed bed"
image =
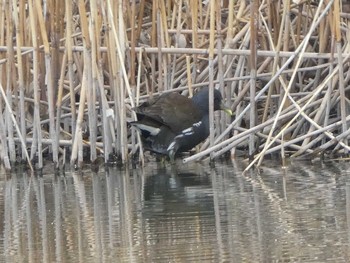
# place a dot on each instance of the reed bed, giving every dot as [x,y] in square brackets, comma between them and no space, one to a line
[71,72]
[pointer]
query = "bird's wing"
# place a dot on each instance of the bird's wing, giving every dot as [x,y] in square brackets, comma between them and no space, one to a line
[174,110]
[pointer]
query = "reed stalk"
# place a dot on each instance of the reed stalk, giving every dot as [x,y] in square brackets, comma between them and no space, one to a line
[77,154]
[195,42]
[198,51]
[213,13]
[36,148]
[254,4]
[9,85]
[338,38]
[18,18]
[59,101]
[70,69]
[49,80]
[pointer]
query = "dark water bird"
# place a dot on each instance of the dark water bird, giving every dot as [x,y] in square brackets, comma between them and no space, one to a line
[173,123]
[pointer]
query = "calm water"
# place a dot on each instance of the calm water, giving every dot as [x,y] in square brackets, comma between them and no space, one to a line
[195,213]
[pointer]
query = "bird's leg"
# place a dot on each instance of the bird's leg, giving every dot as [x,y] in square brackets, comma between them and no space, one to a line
[172,155]
[172,149]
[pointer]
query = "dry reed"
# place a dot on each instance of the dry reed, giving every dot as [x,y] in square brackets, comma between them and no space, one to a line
[71,72]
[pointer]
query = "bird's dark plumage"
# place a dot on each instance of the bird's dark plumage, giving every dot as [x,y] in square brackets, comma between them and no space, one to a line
[174,123]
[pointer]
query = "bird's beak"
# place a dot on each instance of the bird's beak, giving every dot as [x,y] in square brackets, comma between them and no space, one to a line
[226,109]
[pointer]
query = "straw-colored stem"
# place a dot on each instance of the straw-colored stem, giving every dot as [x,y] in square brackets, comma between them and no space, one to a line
[9,83]
[211,72]
[36,148]
[253,70]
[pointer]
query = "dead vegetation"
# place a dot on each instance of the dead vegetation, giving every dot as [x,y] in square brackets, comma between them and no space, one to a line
[72,70]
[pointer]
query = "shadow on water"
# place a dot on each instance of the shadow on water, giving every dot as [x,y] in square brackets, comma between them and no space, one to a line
[191,213]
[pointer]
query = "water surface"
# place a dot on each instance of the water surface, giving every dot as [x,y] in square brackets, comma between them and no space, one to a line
[191,213]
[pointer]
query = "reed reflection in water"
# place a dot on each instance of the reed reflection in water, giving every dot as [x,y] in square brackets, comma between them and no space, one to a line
[194,213]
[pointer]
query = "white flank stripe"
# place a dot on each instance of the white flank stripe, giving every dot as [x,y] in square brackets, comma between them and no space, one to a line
[189,131]
[152,130]
[197,124]
[171,146]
